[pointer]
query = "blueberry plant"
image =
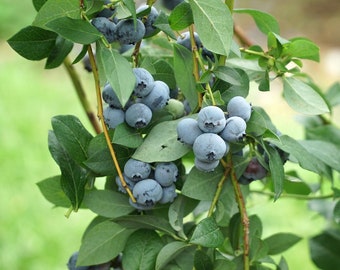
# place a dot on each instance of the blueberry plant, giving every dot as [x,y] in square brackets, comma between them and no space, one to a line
[177,140]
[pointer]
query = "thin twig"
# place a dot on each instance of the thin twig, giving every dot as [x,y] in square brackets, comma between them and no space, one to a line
[242,37]
[295,196]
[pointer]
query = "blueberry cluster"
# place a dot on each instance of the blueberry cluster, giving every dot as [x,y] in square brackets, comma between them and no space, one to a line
[149,185]
[126,31]
[213,130]
[148,96]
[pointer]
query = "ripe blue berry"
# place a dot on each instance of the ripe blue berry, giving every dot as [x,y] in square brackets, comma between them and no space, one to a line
[188,131]
[147,192]
[72,262]
[158,97]
[171,4]
[110,97]
[239,106]
[184,40]
[129,33]
[166,173]
[107,12]
[144,82]
[128,181]
[254,170]
[169,194]
[140,207]
[150,29]
[137,170]
[138,115]
[235,129]
[113,117]
[211,119]
[106,27]
[209,147]
[206,166]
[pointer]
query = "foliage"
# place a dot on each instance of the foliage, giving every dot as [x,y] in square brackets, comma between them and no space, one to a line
[206,226]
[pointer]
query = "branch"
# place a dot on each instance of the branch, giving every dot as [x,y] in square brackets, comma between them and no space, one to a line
[242,37]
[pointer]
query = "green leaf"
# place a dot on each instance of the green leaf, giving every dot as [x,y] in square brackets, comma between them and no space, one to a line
[169,252]
[127,136]
[303,98]
[259,122]
[38,4]
[162,23]
[183,67]
[108,203]
[328,133]
[131,6]
[59,52]
[207,234]
[141,250]
[164,72]
[181,17]
[72,135]
[33,43]
[336,212]
[93,6]
[324,151]
[117,70]
[325,248]
[264,21]
[333,94]
[202,261]
[258,249]
[214,25]
[146,222]
[75,30]
[302,48]
[227,74]
[54,9]
[242,89]
[161,144]
[102,243]
[51,190]
[202,185]
[223,264]
[280,242]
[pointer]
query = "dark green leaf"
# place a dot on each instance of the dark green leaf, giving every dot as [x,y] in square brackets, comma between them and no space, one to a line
[325,248]
[303,98]
[127,136]
[294,185]
[107,203]
[302,48]
[162,23]
[181,16]
[235,90]
[102,243]
[54,9]
[264,21]
[164,72]
[336,212]
[161,144]
[333,94]
[38,4]
[283,264]
[214,25]
[117,70]
[202,261]
[145,222]
[93,6]
[183,67]
[207,234]
[202,185]
[169,252]
[265,82]
[75,30]
[51,190]
[131,6]
[72,135]
[259,122]
[278,243]
[226,206]
[141,250]
[223,264]
[33,43]
[59,52]
[258,249]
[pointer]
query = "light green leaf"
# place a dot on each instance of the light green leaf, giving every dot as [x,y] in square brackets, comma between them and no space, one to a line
[181,16]
[214,24]
[303,98]
[302,48]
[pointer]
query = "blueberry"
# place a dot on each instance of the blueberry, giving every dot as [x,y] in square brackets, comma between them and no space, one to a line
[144,82]
[188,130]
[175,107]
[184,40]
[128,181]
[209,147]
[158,97]
[238,106]
[106,27]
[254,170]
[72,262]
[206,166]
[110,97]
[166,173]
[147,192]
[171,4]
[235,129]
[150,29]
[113,117]
[138,115]
[137,170]
[107,12]
[140,207]
[211,119]
[207,55]
[129,33]
[169,194]
[87,63]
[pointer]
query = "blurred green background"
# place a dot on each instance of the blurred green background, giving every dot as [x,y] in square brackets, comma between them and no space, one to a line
[33,234]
